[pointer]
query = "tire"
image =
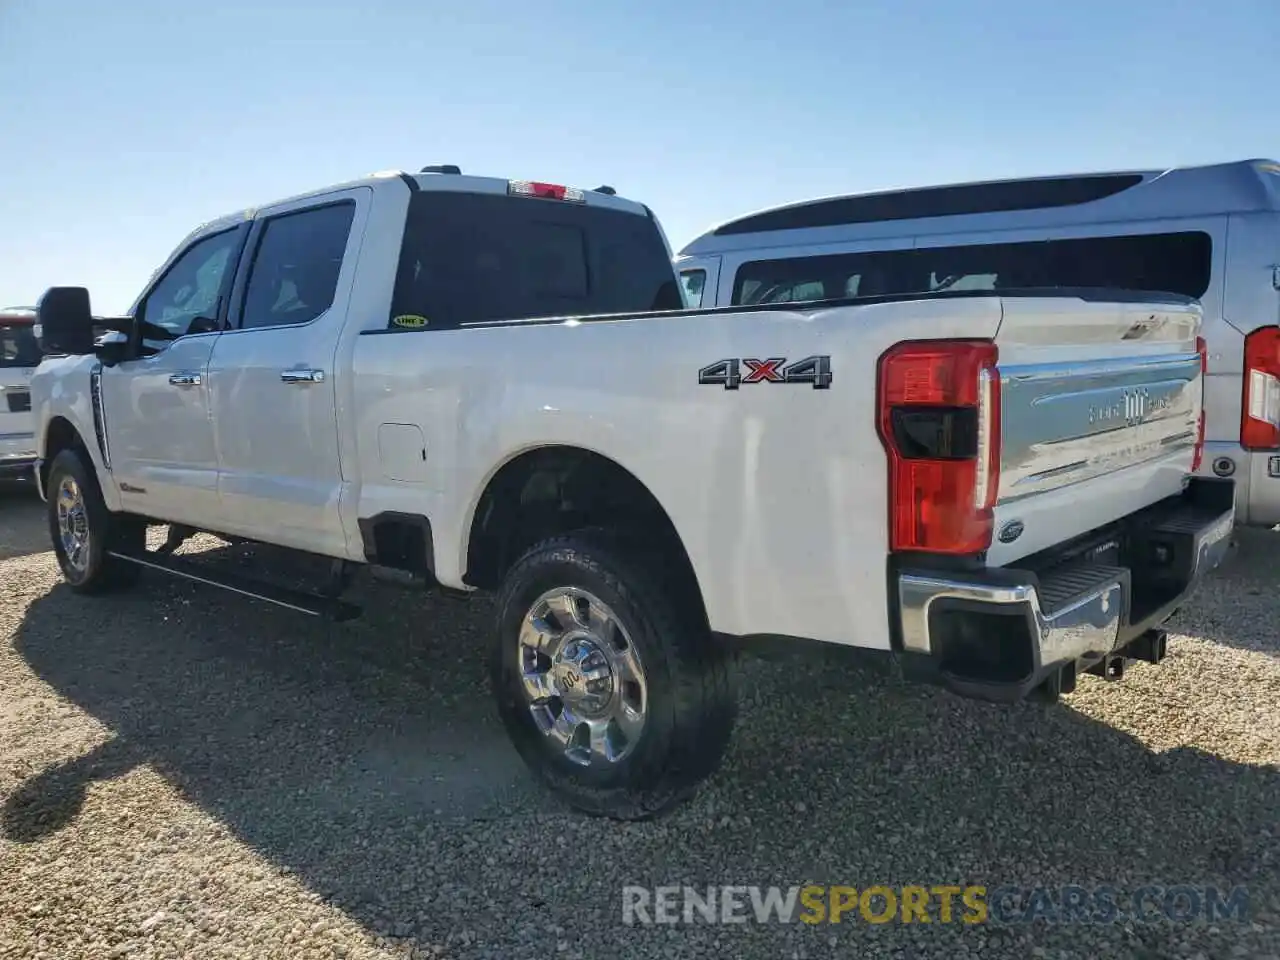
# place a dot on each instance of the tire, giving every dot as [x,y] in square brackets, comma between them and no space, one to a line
[661,663]
[73,489]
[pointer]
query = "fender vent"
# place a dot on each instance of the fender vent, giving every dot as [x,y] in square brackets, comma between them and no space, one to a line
[99,416]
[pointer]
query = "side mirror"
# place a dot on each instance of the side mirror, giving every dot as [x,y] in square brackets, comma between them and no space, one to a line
[112,347]
[66,322]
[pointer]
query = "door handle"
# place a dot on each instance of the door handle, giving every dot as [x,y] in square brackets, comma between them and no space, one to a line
[185,379]
[302,376]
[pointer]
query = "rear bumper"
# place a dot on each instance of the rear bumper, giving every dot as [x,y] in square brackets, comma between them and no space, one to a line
[999,634]
[1257,477]
[17,454]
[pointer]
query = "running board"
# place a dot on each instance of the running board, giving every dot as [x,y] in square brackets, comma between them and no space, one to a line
[315,604]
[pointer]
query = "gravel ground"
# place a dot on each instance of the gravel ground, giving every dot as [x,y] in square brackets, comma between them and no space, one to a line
[185,773]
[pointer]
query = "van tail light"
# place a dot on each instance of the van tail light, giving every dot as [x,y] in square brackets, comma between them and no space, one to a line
[1197,458]
[939,421]
[1260,405]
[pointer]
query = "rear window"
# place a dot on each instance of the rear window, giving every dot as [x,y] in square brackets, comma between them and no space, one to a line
[471,258]
[18,347]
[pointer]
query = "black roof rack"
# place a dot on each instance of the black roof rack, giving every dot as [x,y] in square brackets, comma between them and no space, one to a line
[441,168]
[944,201]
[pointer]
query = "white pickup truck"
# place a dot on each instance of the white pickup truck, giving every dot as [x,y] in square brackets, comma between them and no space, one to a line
[492,385]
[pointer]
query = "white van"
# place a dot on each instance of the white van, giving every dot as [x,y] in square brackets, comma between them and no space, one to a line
[1207,232]
[19,357]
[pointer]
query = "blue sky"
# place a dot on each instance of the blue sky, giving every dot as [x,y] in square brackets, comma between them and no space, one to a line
[124,124]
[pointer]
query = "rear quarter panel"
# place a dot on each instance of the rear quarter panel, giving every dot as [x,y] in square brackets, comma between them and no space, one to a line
[777,491]
[1249,301]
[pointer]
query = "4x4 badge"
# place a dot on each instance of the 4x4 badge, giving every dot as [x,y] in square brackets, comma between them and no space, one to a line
[815,371]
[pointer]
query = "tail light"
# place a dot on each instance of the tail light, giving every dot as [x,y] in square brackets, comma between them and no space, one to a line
[1198,457]
[939,410]
[1260,405]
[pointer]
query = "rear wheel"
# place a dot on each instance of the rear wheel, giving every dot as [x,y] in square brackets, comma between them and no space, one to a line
[608,681]
[84,530]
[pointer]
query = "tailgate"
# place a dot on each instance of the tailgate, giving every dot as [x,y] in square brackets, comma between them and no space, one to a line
[15,401]
[1099,413]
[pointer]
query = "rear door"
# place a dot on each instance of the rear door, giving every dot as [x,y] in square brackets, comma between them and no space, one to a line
[271,374]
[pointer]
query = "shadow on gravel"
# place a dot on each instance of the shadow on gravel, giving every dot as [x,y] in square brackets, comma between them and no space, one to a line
[1237,607]
[366,760]
[52,800]
[22,520]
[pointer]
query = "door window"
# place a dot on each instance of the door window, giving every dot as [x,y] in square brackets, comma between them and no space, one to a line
[694,282]
[185,299]
[294,275]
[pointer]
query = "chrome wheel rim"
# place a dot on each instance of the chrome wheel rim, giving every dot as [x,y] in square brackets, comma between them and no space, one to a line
[582,677]
[73,524]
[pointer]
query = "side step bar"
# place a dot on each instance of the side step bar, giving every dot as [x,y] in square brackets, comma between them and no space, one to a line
[314,604]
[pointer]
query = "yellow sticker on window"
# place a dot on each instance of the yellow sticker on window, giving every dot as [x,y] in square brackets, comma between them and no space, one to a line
[409,321]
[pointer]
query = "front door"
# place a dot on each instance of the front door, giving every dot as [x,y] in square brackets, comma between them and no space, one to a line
[156,407]
[273,374]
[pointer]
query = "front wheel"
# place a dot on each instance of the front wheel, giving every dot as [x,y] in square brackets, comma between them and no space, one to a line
[607,679]
[84,530]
